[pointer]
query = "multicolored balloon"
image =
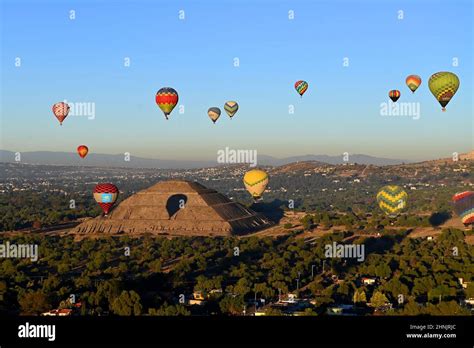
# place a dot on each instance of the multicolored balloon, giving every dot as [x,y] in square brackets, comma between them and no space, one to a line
[61,110]
[82,150]
[413,82]
[255,182]
[231,108]
[166,98]
[301,87]
[214,113]
[394,94]
[443,85]
[106,195]
[464,206]
[392,199]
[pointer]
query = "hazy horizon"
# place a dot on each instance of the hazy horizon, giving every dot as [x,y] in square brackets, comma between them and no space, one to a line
[209,160]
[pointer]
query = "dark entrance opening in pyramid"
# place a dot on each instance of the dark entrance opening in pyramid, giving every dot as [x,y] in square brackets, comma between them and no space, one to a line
[175,203]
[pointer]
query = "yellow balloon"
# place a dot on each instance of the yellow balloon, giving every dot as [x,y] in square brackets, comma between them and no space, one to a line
[443,85]
[255,182]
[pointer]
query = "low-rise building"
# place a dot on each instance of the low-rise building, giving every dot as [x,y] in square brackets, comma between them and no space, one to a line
[463,283]
[368,280]
[469,301]
[63,312]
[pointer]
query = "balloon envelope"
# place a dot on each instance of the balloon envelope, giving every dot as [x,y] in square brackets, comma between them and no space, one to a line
[443,85]
[394,94]
[301,87]
[464,206]
[166,99]
[82,150]
[61,110]
[231,108]
[106,195]
[413,82]
[255,182]
[392,199]
[214,113]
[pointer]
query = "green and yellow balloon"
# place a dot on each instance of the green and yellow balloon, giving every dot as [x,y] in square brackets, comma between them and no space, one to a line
[443,85]
[231,107]
[392,199]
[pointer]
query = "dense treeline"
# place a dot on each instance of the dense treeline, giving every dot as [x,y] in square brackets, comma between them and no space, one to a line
[140,276]
[20,210]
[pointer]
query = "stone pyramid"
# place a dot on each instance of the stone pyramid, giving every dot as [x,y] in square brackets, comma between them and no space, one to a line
[176,208]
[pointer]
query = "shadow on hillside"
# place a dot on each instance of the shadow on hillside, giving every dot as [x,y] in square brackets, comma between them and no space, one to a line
[272,210]
[439,218]
[382,244]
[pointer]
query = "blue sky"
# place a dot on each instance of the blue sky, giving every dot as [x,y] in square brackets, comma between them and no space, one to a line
[82,60]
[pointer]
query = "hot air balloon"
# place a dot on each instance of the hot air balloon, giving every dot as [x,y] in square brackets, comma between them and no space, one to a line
[394,94]
[106,195]
[464,206]
[413,82]
[166,98]
[61,110]
[255,182]
[214,113]
[301,87]
[82,150]
[392,200]
[231,108]
[443,85]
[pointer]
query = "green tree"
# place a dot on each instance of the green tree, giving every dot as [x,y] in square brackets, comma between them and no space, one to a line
[307,222]
[169,310]
[309,312]
[34,302]
[264,290]
[155,266]
[446,308]
[232,304]
[242,287]
[383,271]
[440,292]
[359,297]
[395,287]
[378,299]
[412,308]
[273,312]
[127,304]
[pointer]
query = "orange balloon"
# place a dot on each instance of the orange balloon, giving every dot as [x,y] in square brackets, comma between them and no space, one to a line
[82,150]
[413,82]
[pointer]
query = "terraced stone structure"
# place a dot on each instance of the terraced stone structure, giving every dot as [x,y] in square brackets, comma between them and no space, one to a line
[176,208]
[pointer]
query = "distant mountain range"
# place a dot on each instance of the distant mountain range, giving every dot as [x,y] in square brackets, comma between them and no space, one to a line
[356,158]
[104,160]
